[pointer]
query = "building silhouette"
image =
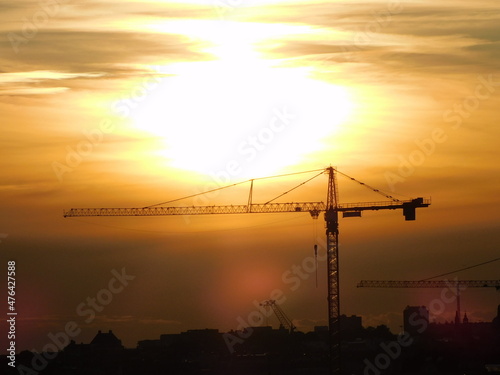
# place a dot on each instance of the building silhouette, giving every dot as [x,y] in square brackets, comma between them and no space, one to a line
[444,348]
[415,319]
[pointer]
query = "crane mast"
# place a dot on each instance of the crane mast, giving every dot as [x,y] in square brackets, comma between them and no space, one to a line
[332,248]
[331,211]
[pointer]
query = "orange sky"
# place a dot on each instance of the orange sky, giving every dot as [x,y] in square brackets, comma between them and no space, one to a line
[127,104]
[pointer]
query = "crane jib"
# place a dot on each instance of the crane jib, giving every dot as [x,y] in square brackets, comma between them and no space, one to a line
[407,206]
[429,284]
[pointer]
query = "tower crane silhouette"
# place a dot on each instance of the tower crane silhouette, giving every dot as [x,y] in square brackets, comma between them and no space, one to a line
[331,210]
[443,284]
[285,321]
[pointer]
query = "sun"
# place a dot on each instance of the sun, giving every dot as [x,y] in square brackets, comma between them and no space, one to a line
[239,112]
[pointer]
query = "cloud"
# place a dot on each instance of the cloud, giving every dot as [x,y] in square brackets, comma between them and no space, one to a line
[433,39]
[154,321]
[114,318]
[37,82]
[87,42]
[93,55]
[40,75]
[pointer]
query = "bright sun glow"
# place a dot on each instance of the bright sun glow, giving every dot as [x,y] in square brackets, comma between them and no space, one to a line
[238,113]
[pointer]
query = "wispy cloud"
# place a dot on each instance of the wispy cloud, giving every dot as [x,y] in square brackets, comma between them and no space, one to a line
[42,75]
[437,38]
[38,82]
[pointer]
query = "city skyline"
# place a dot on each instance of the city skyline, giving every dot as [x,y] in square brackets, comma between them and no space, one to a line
[259,349]
[108,104]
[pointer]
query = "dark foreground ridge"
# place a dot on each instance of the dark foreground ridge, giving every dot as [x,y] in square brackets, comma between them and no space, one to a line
[423,348]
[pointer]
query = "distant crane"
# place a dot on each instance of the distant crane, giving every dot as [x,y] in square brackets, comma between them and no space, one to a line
[330,209]
[458,284]
[285,322]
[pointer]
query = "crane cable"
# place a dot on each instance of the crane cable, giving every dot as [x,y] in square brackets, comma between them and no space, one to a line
[316,262]
[303,183]
[195,195]
[462,269]
[315,239]
[378,191]
[231,185]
